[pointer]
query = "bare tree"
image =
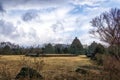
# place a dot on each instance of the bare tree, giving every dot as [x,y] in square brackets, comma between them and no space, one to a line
[107,27]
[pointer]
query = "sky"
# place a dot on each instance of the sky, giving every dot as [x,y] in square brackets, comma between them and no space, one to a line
[33,22]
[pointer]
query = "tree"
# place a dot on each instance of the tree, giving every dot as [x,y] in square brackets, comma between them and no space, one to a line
[112,50]
[6,50]
[58,48]
[49,48]
[92,47]
[95,48]
[76,46]
[107,27]
[66,50]
[100,49]
[91,50]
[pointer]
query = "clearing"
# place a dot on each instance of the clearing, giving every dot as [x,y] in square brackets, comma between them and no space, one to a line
[51,68]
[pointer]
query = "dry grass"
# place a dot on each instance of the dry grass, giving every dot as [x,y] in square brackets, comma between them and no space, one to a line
[51,68]
[112,67]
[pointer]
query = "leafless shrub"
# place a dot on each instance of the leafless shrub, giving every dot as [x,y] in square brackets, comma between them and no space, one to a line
[112,67]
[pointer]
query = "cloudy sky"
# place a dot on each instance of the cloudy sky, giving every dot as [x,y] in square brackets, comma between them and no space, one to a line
[31,22]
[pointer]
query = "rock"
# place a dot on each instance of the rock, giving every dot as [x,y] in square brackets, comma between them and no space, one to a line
[80,70]
[27,72]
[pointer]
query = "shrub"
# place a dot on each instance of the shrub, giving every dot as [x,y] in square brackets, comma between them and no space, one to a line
[112,65]
[99,59]
[27,72]
[114,50]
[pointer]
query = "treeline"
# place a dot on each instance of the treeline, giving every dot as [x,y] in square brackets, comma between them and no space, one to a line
[75,48]
[7,48]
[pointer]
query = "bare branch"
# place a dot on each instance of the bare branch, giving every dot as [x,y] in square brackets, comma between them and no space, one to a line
[107,25]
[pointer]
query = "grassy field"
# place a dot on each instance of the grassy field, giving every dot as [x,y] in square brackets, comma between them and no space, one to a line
[51,68]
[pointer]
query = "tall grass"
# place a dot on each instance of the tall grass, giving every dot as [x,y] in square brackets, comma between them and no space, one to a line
[8,72]
[62,68]
[5,73]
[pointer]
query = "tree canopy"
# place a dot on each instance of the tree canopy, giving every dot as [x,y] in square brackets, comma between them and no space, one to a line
[107,28]
[49,48]
[76,46]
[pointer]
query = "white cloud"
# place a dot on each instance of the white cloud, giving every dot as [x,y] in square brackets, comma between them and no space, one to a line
[88,2]
[31,4]
[54,21]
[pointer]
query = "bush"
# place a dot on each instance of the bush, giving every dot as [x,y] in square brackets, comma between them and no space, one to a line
[112,65]
[114,50]
[99,59]
[27,72]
